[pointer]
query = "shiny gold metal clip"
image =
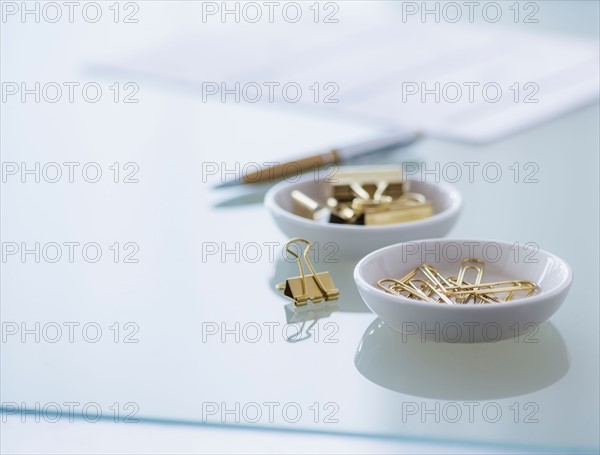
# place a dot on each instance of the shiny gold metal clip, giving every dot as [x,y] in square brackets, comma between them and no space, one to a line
[426,283]
[497,287]
[306,207]
[315,286]
[469,264]
[373,180]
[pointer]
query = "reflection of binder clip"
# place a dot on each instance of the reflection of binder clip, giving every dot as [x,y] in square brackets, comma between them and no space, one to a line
[306,313]
[315,287]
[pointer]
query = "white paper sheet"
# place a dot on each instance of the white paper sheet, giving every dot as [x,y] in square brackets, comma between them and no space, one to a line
[480,83]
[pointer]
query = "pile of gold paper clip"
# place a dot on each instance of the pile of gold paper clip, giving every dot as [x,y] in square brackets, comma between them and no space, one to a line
[368,196]
[427,284]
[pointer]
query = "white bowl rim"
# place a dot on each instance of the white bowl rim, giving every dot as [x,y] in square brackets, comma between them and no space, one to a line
[454,196]
[360,281]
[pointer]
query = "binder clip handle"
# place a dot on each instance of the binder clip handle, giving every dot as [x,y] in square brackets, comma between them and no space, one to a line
[311,286]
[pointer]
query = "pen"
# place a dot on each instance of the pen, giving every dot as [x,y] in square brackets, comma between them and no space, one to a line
[334,155]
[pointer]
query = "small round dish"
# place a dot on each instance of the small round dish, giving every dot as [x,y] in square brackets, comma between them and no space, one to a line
[465,322]
[353,242]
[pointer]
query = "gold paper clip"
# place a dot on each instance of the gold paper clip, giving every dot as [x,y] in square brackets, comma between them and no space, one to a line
[315,286]
[402,285]
[404,279]
[498,287]
[434,276]
[398,287]
[426,283]
[485,298]
[469,264]
[429,291]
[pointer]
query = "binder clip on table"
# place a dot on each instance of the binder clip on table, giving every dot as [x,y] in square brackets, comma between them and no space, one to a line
[315,286]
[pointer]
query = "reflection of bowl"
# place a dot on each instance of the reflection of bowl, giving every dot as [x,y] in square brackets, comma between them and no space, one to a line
[464,322]
[356,241]
[482,371]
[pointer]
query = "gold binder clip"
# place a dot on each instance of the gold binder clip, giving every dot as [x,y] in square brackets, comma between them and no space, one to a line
[315,286]
[382,209]
[370,179]
[307,207]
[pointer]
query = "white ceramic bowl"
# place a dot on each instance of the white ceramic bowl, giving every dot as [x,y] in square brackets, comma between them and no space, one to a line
[353,242]
[464,322]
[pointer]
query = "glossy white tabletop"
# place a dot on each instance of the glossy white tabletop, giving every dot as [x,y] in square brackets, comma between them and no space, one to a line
[188,336]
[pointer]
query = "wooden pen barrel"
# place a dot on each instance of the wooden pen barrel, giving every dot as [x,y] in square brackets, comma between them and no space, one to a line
[290,169]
